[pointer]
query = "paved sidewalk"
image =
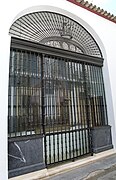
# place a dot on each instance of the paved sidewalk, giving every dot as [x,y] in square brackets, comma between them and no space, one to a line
[102,169]
[83,169]
[107,174]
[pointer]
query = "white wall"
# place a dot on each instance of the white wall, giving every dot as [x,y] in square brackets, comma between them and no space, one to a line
[102,30]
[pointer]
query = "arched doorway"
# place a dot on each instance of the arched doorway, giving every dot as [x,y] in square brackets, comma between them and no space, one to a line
[56,89]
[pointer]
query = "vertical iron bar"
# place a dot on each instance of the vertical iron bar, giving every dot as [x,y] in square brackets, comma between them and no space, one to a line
[99,97]
[104,97]
[49,105]
[101,106]
[68,72]
[53,106]
[87,106]
[90,91]
[73,107]
[19,91]
[91,95]
[66,109]
[43,108]
[93,100]
[77,107]
[82,107]
[59,107]
[95,91]
[84,125]
[17,126]
[62,105]
[28,93]
[11,86]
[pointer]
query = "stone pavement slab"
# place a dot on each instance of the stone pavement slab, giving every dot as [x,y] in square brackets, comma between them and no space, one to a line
[91,171]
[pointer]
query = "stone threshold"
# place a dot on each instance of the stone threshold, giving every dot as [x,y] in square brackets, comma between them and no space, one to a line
[65,167]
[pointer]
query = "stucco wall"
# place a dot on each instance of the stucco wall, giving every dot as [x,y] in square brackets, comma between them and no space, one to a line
[102,30]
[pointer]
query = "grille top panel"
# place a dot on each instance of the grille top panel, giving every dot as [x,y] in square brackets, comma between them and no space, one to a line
[55,30]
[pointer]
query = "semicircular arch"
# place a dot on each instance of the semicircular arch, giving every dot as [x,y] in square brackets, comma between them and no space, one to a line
[36,24]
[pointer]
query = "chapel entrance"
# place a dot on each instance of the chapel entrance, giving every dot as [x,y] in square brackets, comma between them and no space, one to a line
[56,91]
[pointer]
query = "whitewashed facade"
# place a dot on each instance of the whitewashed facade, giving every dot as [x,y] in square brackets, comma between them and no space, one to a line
[101,29]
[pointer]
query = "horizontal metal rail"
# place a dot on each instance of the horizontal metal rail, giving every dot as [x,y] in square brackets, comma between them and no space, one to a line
[36,47]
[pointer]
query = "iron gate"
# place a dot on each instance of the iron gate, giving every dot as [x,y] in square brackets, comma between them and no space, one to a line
[58,94]
[66,121]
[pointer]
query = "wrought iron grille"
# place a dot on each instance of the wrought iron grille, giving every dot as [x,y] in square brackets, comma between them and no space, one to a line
[24,104]
[74,101]
[55,30]
[59,97]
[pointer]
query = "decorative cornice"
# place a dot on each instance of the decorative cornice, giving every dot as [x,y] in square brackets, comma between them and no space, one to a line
[94,9]
[18,43]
